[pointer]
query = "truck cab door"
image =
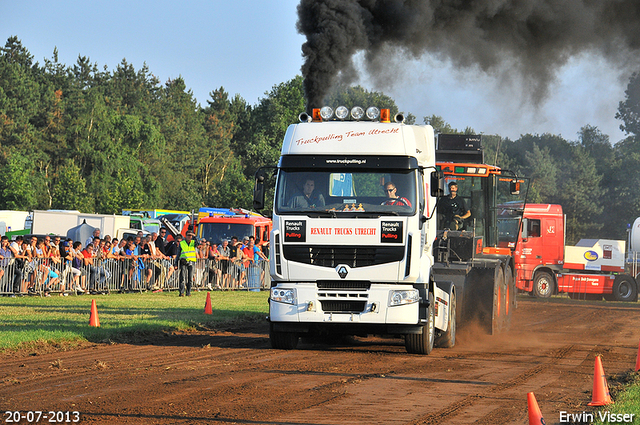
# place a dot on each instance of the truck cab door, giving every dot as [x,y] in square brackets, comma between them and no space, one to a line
[531,253]
[552,236]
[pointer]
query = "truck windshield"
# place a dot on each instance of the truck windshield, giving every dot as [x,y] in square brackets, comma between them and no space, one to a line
[489,199]
[217,232]
[345,191]
[151,226]
[508,229]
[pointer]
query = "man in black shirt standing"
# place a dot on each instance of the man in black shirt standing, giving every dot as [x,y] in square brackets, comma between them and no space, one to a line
[453,209]
[161,240]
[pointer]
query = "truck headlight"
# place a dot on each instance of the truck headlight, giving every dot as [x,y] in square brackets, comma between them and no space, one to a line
[287,296]
[402,297]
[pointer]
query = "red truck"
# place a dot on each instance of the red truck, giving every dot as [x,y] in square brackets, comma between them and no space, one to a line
[217,224]
[592,269]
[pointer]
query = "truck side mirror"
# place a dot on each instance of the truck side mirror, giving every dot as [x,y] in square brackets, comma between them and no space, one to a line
[437,183]
[514,187]
[258,189]
[525,228]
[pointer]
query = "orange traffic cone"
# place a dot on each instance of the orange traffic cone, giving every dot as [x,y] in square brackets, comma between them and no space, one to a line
[535,416]
[93,319]
[207,305]
[638,359]
[600,396]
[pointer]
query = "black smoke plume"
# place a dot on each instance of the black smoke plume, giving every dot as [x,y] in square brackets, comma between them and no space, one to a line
[525,39]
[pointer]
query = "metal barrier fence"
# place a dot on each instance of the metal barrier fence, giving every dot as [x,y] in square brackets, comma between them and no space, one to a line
[47,276]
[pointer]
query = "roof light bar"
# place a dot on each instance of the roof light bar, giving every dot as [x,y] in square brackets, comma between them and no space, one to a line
[327,113]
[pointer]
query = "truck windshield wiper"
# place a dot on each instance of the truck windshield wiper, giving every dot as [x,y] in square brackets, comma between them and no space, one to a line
[367,214]
[331,214]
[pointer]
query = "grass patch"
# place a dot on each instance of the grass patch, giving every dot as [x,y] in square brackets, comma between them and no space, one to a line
[625,390]
[34,321]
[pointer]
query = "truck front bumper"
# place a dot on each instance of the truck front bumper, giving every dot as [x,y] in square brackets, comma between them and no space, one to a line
[370,311]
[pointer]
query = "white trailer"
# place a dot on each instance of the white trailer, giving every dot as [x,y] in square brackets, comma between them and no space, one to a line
[13,220]
[58,222]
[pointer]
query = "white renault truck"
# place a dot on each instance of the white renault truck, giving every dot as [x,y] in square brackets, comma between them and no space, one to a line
[353,229]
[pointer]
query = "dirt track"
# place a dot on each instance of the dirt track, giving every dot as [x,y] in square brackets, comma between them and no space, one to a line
[234,377]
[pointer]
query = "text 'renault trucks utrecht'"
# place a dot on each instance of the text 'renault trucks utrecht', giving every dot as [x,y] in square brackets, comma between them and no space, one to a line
[470,252]
[354,226]
[591,269]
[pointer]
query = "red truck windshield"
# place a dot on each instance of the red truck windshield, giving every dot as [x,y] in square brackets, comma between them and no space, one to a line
[217,232]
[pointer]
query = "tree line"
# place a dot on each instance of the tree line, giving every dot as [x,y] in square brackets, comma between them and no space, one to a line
[98,140]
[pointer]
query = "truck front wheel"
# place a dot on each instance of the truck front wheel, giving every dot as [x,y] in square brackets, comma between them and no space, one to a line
[625,288]
[543,286]
[282,340]
[423,343]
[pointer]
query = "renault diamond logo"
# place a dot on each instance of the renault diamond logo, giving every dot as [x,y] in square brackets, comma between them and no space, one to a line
[342,271]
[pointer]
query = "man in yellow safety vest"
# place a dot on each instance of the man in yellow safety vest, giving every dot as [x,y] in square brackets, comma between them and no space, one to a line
[188,259]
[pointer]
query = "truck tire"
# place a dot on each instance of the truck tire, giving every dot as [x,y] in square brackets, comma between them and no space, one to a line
[448,339]
[283,340]
[498,303]
[543,285]
[486,295]
[625,288]
[423,343]
[510,297]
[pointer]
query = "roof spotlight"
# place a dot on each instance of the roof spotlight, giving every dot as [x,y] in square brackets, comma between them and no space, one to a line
[342,112]
[373,113]
[357,112]
[326,112]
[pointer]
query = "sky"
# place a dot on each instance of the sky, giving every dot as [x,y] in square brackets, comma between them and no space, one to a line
[250,46]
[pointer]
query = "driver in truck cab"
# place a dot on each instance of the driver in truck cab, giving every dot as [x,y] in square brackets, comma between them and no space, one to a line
[308,198]
[391,191]
[453,209]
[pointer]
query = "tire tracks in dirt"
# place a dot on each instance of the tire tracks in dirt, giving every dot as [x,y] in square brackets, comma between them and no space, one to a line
[235,377]
[453,409]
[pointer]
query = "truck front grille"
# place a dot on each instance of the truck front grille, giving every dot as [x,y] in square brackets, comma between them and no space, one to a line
[345,285]
[343,306]
[353,256]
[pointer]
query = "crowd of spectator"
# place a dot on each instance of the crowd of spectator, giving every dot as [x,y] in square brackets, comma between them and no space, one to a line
[52,264]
